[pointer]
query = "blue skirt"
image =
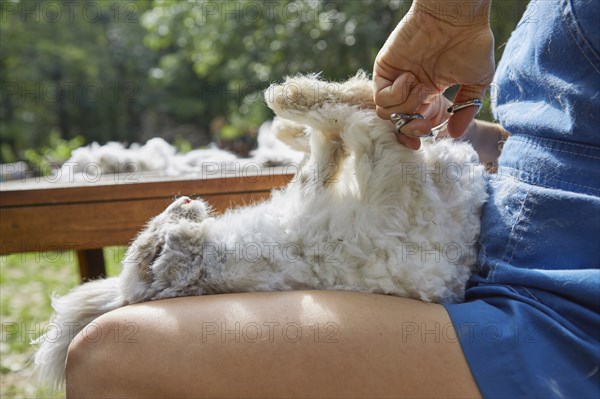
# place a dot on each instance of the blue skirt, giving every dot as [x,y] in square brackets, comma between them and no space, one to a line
[530,324]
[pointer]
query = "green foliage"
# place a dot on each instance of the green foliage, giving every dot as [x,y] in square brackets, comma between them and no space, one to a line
[53,154]
[182,145]
[76,68]
[26,283]
[238,48]
[128,71]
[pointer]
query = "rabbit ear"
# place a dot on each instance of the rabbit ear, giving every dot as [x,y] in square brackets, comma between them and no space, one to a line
[178,268]
[319,104]
[142,252]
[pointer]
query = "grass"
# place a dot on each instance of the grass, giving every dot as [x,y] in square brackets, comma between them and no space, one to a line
[26,282]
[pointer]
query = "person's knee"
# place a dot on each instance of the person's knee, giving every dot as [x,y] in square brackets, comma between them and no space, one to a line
[93,355]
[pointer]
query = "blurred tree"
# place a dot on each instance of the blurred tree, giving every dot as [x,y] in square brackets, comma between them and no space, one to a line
[130,70]
[238,47]
[78,68]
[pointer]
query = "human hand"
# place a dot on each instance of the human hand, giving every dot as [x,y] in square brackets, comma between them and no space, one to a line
[427,53]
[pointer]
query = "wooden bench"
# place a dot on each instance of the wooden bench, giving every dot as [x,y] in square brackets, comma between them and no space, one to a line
[40,214]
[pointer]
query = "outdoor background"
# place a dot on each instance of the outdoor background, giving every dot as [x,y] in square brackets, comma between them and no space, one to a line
[191,72]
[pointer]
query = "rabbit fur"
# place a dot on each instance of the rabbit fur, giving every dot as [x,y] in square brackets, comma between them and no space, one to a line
[363,213]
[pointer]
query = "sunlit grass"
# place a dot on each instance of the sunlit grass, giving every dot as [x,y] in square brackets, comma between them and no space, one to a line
[26,283]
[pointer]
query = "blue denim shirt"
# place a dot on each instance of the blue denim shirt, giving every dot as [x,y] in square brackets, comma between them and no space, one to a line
[541,226]
[548,82]
[538,277]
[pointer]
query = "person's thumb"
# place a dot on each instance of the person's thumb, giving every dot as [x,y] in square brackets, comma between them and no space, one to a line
[459,122]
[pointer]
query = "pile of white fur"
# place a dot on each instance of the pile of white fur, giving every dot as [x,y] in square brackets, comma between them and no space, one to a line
[364,213]
[159,156]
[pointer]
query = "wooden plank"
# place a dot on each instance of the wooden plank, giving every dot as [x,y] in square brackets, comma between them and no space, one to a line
[93,225]
[91,264]
[28,193]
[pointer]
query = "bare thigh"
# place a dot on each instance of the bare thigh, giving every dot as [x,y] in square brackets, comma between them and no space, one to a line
[280,344]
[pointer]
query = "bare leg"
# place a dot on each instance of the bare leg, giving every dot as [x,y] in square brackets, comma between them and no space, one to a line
[283,344]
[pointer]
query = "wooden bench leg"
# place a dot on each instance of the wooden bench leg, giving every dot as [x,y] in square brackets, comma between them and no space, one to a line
[91,264]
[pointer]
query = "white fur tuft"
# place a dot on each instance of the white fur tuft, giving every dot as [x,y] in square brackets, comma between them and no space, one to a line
[73,312]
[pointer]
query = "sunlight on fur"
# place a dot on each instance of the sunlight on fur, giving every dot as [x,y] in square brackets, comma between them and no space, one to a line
[363,213]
